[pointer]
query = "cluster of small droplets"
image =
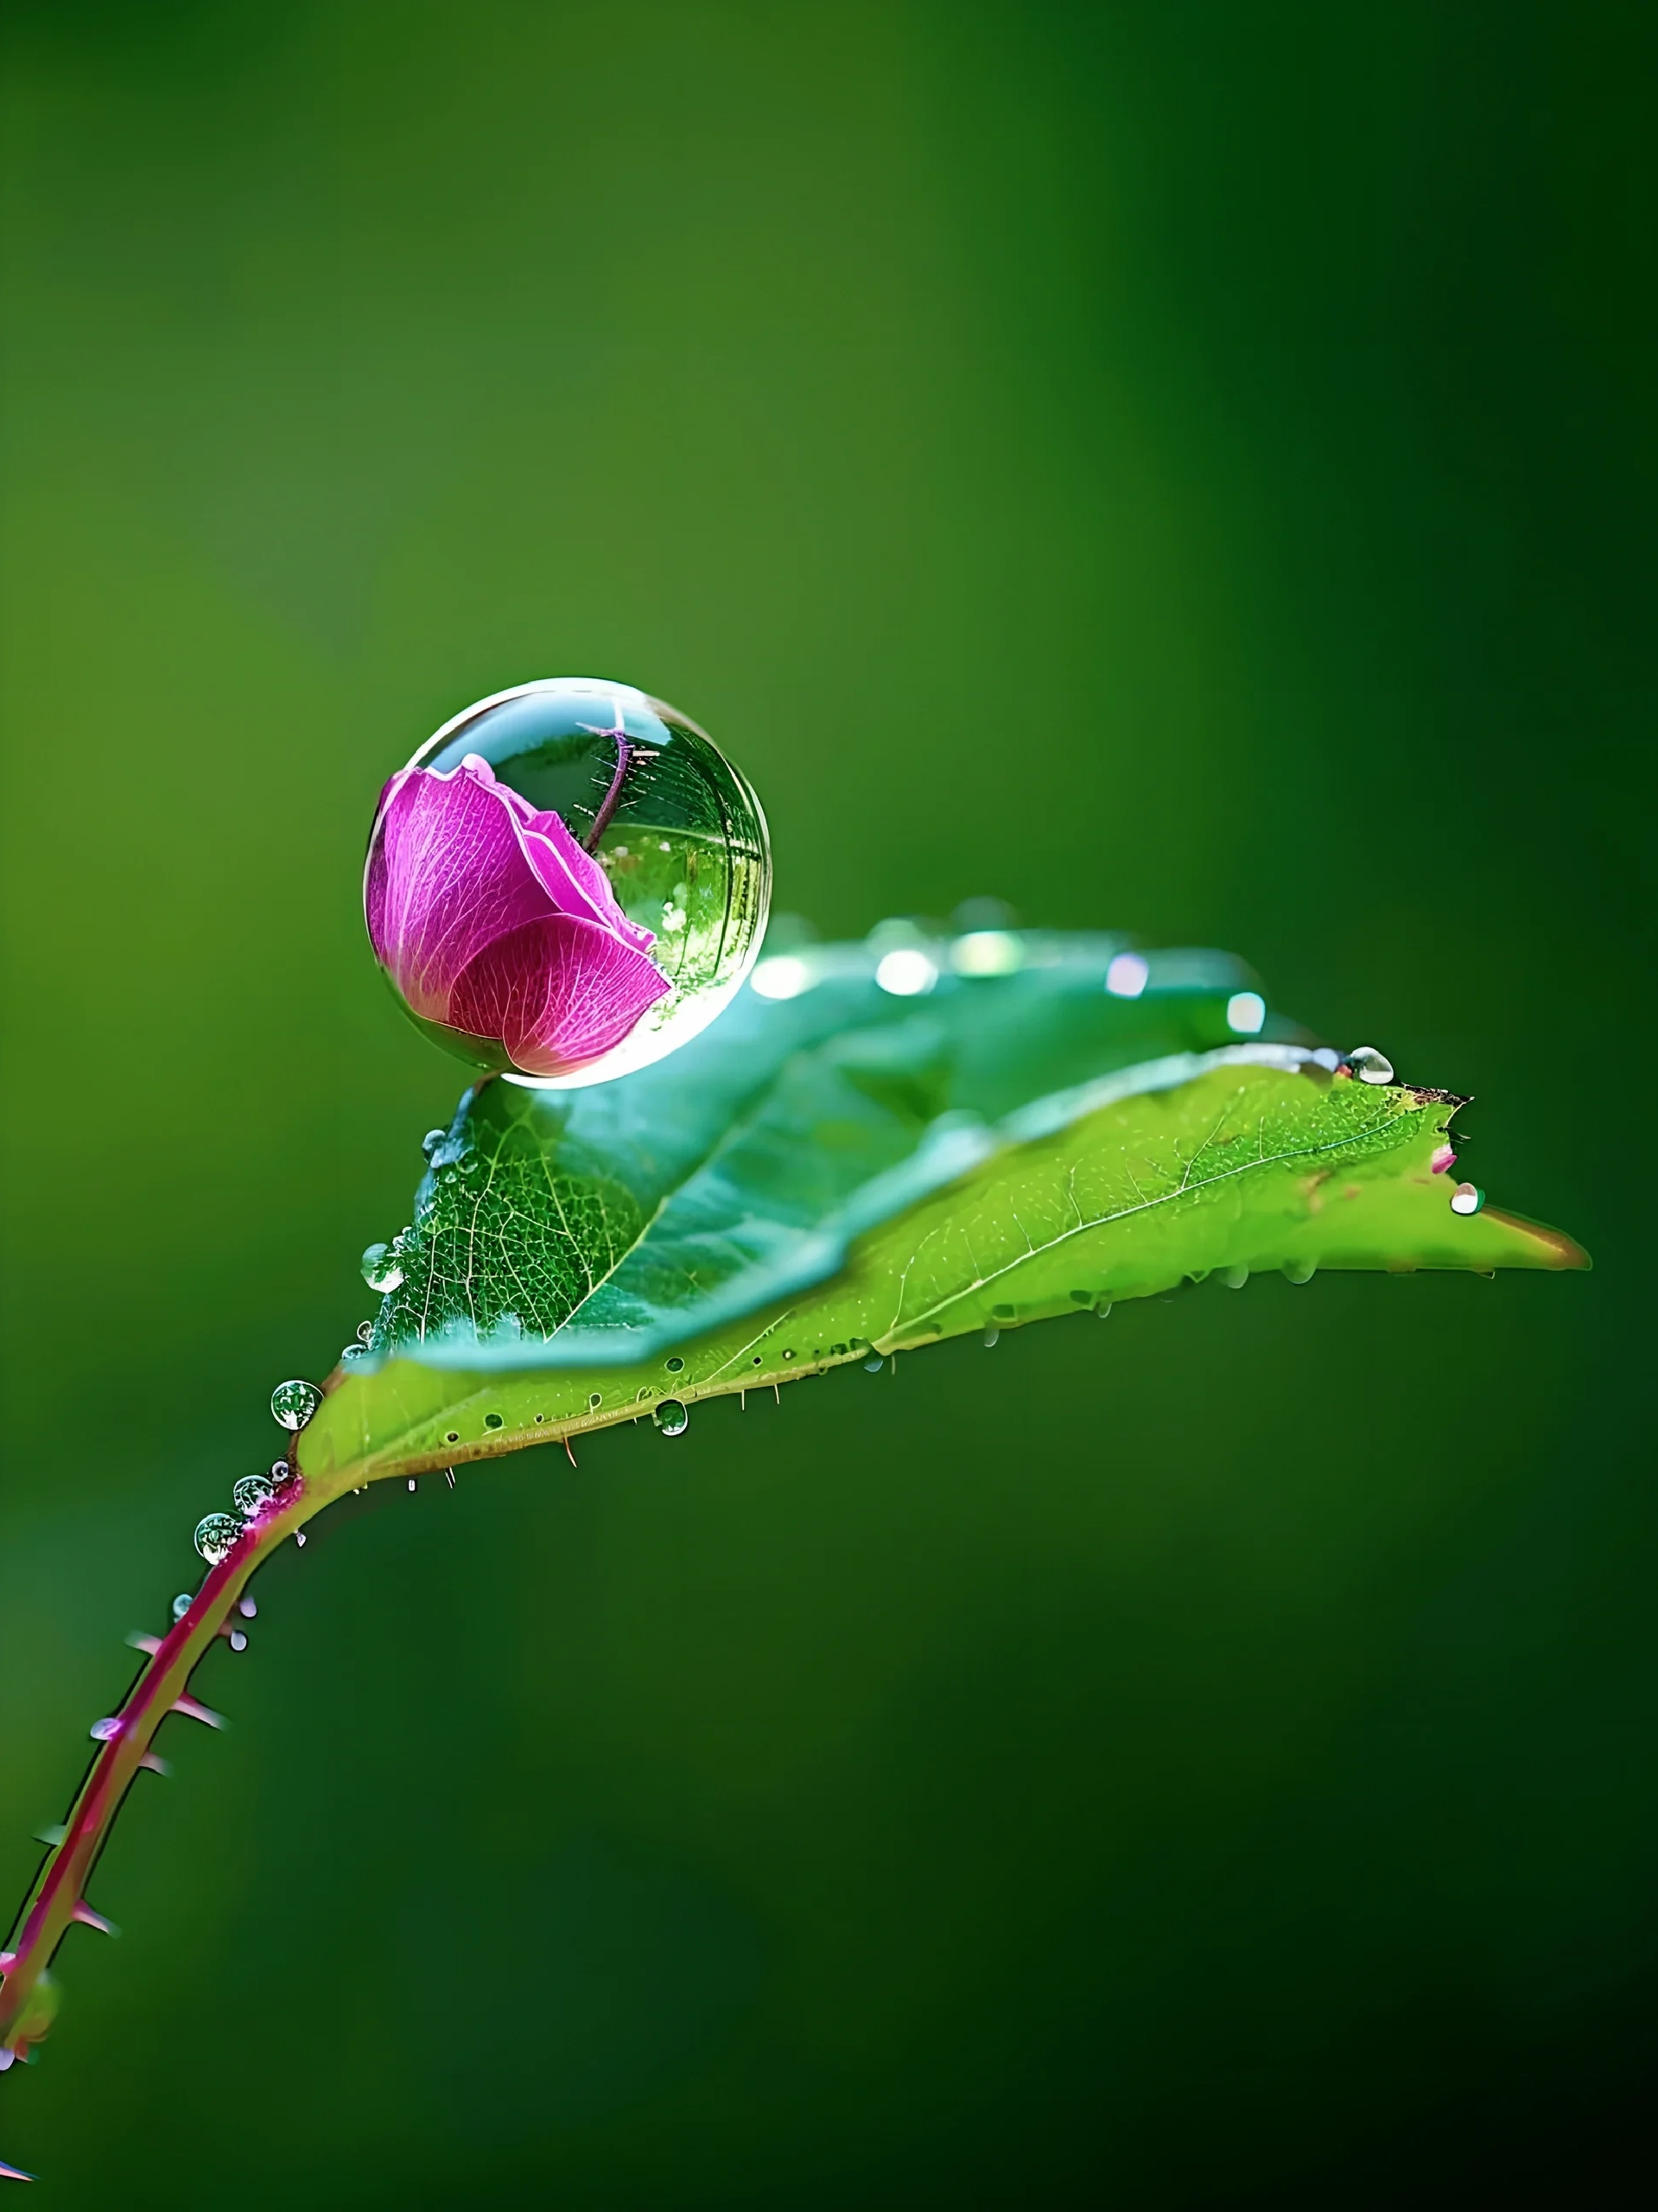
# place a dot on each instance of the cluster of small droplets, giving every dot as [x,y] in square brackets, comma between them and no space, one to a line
[292,1404]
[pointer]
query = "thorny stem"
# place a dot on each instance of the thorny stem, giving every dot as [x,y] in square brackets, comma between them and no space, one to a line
[59,1897]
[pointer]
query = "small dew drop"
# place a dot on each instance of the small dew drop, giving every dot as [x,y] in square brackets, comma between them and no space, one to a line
[181,1604]
[104,1731]
[675,1365]
[300,1539]
[1236,1278]
[365,1332]
[250,1493]
[431,1141]
[1299,1271]
[1128,976]
[281,1473]
[239,1639]
[1103,1311]
[411,1482]
[292,1404]
[215,1536]
[1467,1198]
[492,1421]
[595,1400]
[247,1609]
[382,1268]
[874,1364]
[992,1336]
[1369,1065]
[670,1417]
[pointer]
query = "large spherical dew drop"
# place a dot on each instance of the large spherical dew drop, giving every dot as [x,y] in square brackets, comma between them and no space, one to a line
[566,882]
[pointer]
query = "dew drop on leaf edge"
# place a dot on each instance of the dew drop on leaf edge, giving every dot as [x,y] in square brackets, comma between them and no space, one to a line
[671,1416]
[1371,1066]
[382,1269]
[293,1403]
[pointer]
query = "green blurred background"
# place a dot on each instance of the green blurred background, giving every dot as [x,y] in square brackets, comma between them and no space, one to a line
[1188,468]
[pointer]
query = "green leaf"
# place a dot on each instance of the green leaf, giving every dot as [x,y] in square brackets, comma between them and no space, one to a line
[845,1173]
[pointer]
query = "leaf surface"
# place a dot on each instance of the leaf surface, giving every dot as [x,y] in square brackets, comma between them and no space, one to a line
[846,1174]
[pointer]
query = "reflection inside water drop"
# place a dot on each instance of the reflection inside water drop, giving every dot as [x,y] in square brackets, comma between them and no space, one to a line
[670,1417]
[216,1534]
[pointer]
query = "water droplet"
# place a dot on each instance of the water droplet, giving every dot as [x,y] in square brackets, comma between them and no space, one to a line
[1236,1278]
[987,953]
[595,1400]
[216,1534]
[365,1332]
[905,972]
[1467,1198]
[1128,976]
[411,1482]
[469,1164]
[353,1350]
[1103,1311]
[1245,1014]
[247,1609]
[105,1732]
[281,1473]
[677,833]
[675,1365]
[250,1493]
[431,1141]
[181,1604]
[670,1417]
[874,1364]
[492,1421]
[382,1268]
[292,1404]
[1299,1271]
[992,1336]
[783,976]
[299,1539]
[1369,1065]
[238,1639]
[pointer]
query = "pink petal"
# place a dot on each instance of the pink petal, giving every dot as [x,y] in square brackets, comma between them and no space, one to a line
[573,881]
[557,992]
[446,877]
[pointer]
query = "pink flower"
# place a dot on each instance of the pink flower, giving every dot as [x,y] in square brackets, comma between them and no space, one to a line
[491,919]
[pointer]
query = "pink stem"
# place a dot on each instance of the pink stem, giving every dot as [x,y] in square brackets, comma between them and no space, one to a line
[58,1896]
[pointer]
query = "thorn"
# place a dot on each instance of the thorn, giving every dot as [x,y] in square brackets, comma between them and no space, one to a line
[51,1837]
[12,2173]
[140,1642]
[569,1454]
[192,1710]
[777,1394]
[742,1401]
[105,1732]
[84,1913]
[247,1609]
[156,1763]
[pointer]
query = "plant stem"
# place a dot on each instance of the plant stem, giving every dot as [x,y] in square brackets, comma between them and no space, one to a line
[60,1892]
